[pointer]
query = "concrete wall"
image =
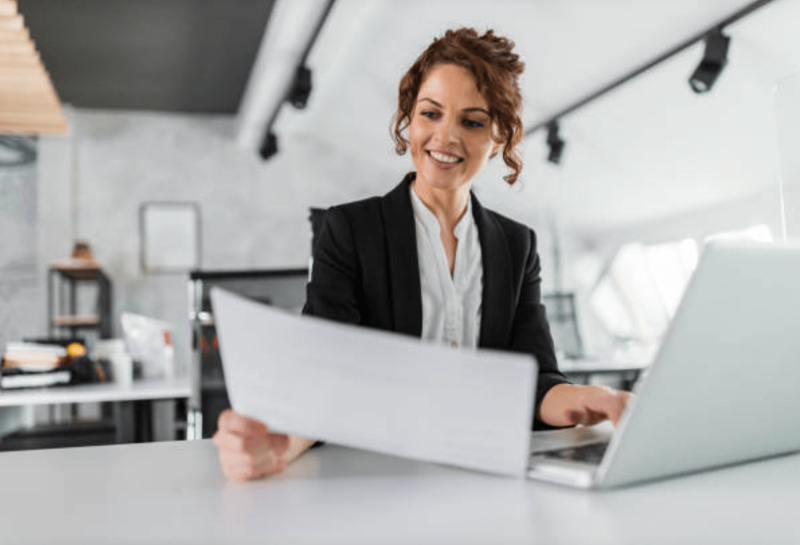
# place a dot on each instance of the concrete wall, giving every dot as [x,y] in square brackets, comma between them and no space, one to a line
[254,213]
[21,295]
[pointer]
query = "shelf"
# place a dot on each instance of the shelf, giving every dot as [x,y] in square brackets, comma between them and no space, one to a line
[76,269]
[76,321]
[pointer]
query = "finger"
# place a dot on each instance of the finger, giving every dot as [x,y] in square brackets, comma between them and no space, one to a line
[578,417]
[610,405]
[241,443]
[278,442]
[236,423]
[248,466]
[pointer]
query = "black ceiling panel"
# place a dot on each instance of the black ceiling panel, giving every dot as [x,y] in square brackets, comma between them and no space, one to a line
[169,55]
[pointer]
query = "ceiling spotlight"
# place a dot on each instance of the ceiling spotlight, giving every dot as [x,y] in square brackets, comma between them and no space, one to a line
[714,60]
[555,143]
[269,146]
[301,88]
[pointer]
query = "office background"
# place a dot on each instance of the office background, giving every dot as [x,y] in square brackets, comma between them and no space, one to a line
[650,163]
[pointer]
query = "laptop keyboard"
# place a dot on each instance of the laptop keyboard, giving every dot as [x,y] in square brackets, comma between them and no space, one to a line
[591,453]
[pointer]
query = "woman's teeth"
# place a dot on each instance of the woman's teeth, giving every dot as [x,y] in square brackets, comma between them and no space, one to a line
[444,158]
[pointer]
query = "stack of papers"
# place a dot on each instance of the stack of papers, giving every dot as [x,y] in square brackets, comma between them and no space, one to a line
[27,365]
[375,390]
[33,357]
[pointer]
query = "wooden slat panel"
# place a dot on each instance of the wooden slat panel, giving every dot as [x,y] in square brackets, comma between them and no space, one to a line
[32,129]
[29,103]
[14,35]
[12,22]
[19,47]
[8,7]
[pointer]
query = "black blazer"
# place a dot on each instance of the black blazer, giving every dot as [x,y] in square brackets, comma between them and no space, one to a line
[366,272]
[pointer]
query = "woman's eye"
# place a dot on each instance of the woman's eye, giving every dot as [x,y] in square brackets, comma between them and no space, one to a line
[473,124]
[429,114]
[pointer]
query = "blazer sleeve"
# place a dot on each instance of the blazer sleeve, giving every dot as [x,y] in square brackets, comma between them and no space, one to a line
[530,331]
[331,291]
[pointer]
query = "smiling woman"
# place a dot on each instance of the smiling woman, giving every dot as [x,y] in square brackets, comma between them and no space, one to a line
[427,259]
[493,71]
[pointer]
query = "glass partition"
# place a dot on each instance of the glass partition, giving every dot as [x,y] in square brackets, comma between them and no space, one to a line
[787,111]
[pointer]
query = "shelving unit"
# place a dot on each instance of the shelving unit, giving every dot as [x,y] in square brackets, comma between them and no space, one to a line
[62,291]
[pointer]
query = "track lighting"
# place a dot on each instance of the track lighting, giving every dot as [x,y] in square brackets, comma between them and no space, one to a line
[555,143]
[301,87]
[269,146]
[714,60]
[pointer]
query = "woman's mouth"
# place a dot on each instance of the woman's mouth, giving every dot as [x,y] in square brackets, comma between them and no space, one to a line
[444,160]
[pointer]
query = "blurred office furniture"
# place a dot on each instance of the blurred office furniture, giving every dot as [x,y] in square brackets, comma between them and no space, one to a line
[284,288]
[627,372]
[63,282]
[316,216]
[562,317]
[176,492]
[131,420]
[563,320]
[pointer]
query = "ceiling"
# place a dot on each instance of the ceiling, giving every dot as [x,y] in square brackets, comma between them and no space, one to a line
[650,149]
[169,55]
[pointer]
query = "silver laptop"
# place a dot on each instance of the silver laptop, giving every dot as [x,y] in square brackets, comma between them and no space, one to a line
[722,389]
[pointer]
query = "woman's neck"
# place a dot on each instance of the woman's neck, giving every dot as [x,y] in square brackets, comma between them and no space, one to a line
[449,206]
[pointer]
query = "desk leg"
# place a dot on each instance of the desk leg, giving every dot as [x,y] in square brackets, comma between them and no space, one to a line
[144,421]
[134,421]
[125,421]
[194,424]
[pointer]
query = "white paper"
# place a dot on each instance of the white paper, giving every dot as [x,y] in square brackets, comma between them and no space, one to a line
[374,390]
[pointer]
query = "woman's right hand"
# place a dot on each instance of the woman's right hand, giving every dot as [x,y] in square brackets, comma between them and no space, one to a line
[247,450]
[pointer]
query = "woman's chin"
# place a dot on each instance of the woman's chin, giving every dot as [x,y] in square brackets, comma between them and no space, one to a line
[443,181]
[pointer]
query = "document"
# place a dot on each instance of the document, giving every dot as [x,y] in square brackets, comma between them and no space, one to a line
[375,390]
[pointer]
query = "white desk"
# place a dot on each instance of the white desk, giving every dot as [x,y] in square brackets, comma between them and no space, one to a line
[175,493]
[133,419]
[176,388]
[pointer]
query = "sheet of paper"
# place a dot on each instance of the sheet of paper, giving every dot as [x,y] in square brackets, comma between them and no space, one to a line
[374,390]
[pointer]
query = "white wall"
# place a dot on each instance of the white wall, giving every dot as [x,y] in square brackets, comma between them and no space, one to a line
[254,213]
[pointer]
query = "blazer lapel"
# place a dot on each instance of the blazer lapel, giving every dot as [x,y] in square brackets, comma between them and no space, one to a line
[401,247]
[497,304]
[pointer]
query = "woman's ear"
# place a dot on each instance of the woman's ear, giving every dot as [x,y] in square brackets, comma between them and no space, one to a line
[495,150]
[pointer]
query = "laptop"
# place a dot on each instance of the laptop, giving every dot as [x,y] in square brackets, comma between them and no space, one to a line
[722,389]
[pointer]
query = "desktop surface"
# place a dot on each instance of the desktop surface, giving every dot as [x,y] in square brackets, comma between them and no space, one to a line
[175,492]
[160,388]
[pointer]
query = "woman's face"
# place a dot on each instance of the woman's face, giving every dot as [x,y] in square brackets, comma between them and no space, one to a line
[450,133]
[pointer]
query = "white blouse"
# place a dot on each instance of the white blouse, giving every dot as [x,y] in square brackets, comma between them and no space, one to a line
[451,306]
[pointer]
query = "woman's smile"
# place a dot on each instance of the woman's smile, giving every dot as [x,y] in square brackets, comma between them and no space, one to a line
[444,160]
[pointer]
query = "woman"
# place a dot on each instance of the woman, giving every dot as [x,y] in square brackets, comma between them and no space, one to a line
[427,259]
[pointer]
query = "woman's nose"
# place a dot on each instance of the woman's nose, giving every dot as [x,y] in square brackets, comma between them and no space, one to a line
[447,131]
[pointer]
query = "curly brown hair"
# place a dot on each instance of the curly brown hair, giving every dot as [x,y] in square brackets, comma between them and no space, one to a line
[496,70]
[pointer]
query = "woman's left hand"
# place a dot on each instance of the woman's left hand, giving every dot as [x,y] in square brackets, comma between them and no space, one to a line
[571,404]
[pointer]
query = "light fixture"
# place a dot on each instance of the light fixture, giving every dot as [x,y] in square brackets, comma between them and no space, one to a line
[17,151]
[555,143]
[269,146]
[301,87]
[714,60]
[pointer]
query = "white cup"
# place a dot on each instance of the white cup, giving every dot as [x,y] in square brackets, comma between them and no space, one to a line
[114,351]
